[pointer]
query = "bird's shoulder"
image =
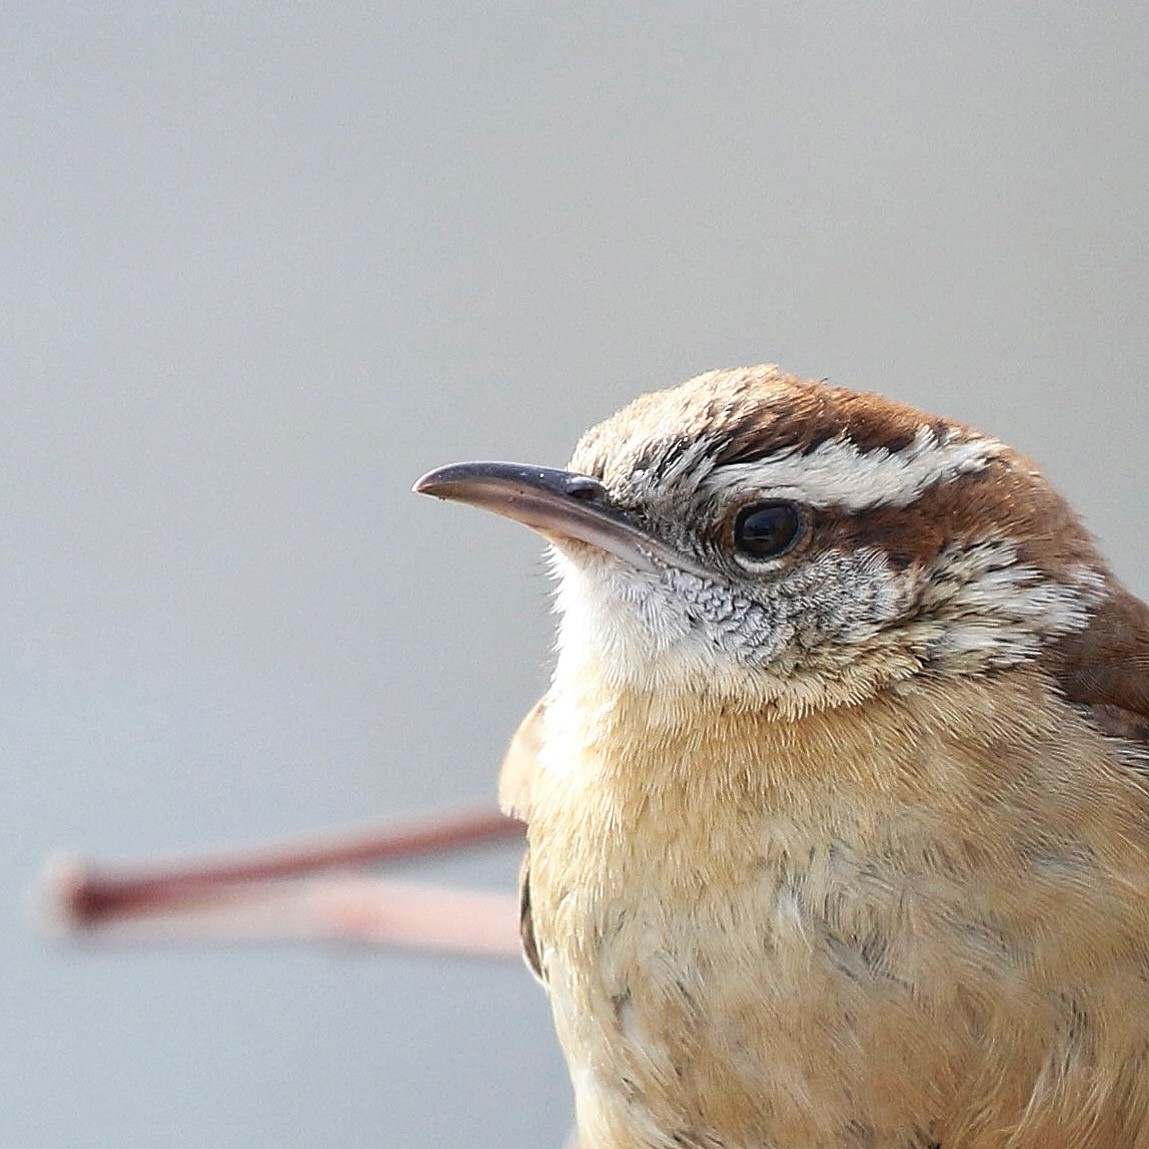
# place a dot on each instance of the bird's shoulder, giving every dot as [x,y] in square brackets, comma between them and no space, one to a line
[520,764]
[1104,668]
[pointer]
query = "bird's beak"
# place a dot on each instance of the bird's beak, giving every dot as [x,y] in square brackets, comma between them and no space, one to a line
[560,505]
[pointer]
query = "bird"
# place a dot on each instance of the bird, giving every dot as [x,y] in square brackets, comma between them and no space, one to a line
[837,803]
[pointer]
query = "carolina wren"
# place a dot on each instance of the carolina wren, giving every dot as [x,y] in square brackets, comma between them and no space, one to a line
[837,804]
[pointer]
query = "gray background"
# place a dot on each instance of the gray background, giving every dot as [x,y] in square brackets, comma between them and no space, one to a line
[262,266]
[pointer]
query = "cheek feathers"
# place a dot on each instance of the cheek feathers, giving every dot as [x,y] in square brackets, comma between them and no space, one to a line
[982,607]
[837,616]
[628,627]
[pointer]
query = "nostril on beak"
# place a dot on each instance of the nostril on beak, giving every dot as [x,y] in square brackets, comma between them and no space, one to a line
[585,488]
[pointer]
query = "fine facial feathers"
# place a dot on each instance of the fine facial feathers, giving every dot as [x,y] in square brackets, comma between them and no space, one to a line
[838,821]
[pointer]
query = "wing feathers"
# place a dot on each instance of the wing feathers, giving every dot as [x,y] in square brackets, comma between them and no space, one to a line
[1106,667]
[520,763]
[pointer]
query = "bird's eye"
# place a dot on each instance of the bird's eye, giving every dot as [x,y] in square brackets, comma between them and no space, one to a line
[767,530]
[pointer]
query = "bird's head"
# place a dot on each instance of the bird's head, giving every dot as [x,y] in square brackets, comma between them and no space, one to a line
[777,541]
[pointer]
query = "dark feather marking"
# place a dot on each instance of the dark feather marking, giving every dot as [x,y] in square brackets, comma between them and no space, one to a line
[1004,499]
[859,1135]
[684,1139]
[803,416]
[526,923]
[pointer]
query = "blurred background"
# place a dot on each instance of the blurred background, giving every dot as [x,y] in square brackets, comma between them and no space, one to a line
[262,265]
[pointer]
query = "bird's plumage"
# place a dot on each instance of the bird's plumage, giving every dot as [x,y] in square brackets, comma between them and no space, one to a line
[849,846]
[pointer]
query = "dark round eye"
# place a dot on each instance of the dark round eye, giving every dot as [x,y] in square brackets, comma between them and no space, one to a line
[766,530]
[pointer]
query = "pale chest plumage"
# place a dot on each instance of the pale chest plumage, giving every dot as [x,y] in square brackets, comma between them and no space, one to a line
[847,930]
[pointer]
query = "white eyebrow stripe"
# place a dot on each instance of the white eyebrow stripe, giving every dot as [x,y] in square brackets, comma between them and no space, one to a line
[837,474]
